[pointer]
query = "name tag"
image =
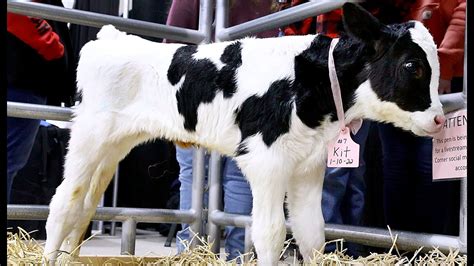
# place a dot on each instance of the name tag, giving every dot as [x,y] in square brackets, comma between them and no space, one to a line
[343,152]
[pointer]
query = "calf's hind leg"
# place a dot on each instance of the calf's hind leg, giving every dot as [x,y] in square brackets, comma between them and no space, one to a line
[95,148]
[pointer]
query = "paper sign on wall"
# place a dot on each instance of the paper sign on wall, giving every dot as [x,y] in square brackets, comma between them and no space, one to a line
[450,148]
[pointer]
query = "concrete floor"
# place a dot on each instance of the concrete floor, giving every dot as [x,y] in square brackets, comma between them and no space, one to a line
[150,244]
[146,245]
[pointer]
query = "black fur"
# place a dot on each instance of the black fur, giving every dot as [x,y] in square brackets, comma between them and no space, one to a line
[269,114]
[203,80]
[311,90]
[180,63]
[232,57]
[314,96]
[392,83]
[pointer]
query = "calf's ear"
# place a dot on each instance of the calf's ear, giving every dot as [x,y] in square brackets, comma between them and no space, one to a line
[360,24]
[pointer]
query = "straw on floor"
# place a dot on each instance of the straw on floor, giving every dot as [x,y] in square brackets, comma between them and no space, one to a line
[22,249]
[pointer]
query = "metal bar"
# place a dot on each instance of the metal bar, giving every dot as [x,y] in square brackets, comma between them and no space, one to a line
[125,9]
[205,19]
[197,195]
[100,226]
[40,212]
[453,101]
[381,238]
[113,225]
[463,201]
[248,241]
[36,111]
[129,235]
[215,196]
[363,235]
[222,18]
[463,215]
[275,20]
[97,20]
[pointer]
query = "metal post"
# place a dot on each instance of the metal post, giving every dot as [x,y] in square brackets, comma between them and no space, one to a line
[248,239]
[463,215]
[113,225]
[463,200]
[197,193]
[215,196]
[197,196]
[205,19]
[129,234]
[125,8]
[100,224]
[222,17]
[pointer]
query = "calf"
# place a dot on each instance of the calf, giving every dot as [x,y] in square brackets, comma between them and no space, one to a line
[266,102]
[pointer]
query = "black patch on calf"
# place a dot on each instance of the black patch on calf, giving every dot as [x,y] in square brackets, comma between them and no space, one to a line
[314,96]
[198,87]
[391,82]
[269,114]
[202,79]
[179,65]
[232,57]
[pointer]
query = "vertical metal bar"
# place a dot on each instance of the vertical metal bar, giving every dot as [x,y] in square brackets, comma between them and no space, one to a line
[222,16]
[463,215]
[205,19]
[463,200]
[129,234]
[215,196]
[197,196]
[113,225]
[100,224]
[125,8]
[197,192]
[248,241]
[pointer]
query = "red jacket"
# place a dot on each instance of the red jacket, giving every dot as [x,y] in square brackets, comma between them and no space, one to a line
[40,57]
[446,20]
[37,34]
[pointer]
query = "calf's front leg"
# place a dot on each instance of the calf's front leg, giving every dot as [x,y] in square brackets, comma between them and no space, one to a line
[268,181]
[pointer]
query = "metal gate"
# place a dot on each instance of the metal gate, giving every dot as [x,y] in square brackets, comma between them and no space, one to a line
[214,216]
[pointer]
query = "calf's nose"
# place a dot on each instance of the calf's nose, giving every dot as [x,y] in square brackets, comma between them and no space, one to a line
[439,120]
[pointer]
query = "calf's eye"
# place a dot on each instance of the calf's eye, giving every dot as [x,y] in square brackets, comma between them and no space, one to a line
[414,68]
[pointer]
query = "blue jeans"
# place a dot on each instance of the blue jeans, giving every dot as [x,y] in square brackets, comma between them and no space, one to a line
[21,134]
[344,189]
[412,201]
[237,198]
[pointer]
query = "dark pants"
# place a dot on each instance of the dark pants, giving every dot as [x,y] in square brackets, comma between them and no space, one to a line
[20,134]
[412,201]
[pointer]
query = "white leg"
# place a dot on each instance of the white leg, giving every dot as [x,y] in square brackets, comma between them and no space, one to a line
[91,160]
[268,181]
[306,217]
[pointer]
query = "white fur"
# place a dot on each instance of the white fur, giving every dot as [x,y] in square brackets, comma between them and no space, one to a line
[127,99]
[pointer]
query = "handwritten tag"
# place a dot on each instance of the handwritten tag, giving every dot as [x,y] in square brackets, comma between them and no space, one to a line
[450,148]
[343,152]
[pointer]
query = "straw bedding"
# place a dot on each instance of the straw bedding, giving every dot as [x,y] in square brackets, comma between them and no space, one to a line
[22,249]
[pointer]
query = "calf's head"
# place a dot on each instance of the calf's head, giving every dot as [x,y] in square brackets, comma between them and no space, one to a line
[402,72]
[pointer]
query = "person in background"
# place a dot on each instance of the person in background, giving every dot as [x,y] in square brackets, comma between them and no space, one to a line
[40,70]
[412,201]
[237,196]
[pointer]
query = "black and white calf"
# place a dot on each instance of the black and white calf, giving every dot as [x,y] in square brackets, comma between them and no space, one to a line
[266,102]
